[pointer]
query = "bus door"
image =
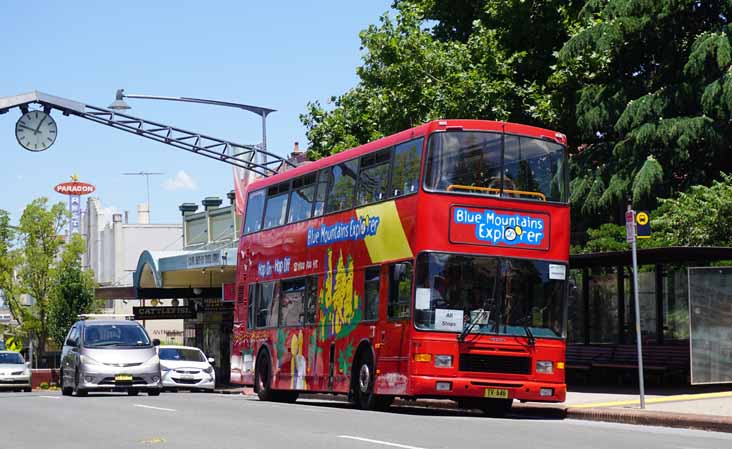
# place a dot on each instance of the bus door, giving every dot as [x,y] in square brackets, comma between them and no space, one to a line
[392,335]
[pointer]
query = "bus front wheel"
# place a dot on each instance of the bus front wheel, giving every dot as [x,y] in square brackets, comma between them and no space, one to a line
[364,395]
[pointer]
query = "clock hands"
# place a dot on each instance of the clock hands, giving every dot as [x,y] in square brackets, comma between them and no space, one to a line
[35,131]
[40,123]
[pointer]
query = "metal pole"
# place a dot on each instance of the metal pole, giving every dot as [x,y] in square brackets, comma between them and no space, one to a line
[639,345]
[264,136]
[147,178]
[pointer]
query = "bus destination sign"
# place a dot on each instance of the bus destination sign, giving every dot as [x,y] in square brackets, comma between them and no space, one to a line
[499,227]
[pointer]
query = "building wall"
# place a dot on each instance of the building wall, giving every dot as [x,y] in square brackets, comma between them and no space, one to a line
[113,250]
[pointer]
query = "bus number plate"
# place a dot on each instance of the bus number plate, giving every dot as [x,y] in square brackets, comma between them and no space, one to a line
[495,393]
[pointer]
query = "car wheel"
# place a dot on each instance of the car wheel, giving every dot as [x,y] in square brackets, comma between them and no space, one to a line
[153,392]
[65,391]
[27,390]
[263,377]
[132,392]
[365,397]
[77,390]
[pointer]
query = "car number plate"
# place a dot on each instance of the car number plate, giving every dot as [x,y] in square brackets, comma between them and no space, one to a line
[186,376]
[123,378]
[496,393]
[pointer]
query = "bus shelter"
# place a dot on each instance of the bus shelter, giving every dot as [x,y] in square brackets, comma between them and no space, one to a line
[685,296]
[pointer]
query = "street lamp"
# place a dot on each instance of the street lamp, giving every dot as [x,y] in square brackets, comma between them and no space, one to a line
[119,104]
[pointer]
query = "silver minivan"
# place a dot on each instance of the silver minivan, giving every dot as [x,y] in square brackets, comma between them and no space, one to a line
[109,355]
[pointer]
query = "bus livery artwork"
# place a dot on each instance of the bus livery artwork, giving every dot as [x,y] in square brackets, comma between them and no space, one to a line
[430,263]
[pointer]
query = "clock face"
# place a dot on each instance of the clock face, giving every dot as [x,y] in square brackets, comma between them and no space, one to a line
[36,131]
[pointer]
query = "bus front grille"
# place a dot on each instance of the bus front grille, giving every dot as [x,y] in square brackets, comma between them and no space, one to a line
[495,364]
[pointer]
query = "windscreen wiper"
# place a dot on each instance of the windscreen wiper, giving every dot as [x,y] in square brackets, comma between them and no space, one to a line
[471,325]
[531,340]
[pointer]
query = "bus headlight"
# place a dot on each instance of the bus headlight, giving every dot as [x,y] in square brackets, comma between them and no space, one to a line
[443,361]
[545,367]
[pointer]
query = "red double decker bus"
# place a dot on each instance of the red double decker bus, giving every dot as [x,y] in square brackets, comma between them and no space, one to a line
[428,264]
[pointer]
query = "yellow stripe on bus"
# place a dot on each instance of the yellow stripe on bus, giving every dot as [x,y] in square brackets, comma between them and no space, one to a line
[390,241]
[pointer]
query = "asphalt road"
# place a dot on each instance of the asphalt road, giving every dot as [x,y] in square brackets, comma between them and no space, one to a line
[199,420]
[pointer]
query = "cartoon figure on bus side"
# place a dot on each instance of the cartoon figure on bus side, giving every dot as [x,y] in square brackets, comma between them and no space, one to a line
[298,363]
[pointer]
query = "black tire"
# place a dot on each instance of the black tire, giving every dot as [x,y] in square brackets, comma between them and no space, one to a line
[285,396]
[132,392]
[153,392]
[27,390]
[496,407]
[78,391]
[65,391]
[263,377]
[363,385]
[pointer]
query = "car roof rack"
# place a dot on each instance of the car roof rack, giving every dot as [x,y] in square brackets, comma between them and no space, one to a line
[105,316]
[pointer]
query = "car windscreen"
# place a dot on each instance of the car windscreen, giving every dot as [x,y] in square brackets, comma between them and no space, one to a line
[182,355]
[113,335]
[11,358]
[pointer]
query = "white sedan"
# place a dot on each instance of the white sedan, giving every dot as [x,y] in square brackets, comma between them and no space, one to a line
[15,373]
[187,368]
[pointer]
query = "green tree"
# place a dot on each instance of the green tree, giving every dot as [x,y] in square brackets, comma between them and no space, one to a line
[38,246]
[653,101]
[481,59]
[73,292]
[700,217]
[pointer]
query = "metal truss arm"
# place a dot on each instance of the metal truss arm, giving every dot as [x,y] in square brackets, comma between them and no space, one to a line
[244,156]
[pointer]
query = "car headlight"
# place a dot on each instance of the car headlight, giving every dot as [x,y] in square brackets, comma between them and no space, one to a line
[86,360]
[545,367]
[208,370]
[443,361]
[165,369]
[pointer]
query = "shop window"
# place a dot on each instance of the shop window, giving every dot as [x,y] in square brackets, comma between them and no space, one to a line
[255,208]
[372,277]
[400,290]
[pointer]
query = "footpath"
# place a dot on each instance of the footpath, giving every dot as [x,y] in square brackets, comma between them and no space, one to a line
[690,408]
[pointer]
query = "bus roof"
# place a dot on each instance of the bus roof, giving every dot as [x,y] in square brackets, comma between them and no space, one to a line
[422,130]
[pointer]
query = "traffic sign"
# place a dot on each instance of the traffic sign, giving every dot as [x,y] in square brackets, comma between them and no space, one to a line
[630,226]
[643,222]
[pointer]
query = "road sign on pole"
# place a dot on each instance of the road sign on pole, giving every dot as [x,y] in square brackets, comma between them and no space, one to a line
[630,225]
[630,235]
[643,225]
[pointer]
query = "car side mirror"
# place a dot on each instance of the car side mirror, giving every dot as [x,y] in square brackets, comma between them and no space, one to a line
[156,342]
[27,364]
[211,360]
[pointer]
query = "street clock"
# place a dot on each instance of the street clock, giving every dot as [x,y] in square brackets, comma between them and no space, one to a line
[36,131]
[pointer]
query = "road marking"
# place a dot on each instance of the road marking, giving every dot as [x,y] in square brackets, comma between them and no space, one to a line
[385,443]
[675,398]
[156,440]
[50,397]
[154,408]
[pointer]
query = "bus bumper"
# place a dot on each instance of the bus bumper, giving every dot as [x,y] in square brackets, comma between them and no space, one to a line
[452,388]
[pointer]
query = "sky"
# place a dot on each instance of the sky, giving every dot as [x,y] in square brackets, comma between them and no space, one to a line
[278,55]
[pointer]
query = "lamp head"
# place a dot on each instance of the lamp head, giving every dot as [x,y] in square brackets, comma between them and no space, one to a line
[119,103]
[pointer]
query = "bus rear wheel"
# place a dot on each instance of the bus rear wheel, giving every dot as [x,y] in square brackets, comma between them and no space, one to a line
[263,377]
[363,385]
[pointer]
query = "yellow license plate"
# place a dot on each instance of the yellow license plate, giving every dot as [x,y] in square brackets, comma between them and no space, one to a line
[495,393]
[123,378]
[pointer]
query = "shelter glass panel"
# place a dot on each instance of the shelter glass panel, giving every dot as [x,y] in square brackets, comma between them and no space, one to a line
[603,306]
[676,305]
[575,309]
[710,304]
